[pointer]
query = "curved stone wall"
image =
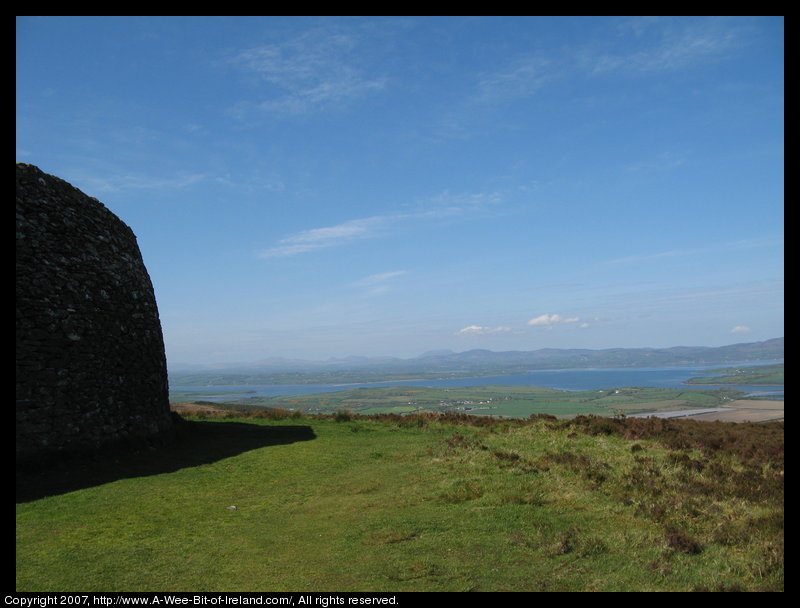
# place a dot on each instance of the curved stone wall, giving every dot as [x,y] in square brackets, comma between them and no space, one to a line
[91,368]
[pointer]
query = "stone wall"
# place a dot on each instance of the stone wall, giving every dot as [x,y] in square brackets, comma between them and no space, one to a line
[91,368]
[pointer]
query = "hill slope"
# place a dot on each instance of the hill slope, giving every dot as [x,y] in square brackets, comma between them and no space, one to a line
[415,503]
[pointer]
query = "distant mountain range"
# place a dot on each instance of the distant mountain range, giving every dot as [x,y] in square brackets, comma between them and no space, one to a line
[479,362]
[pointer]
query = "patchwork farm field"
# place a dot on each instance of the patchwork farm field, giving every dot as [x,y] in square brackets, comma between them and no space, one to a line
[494,401]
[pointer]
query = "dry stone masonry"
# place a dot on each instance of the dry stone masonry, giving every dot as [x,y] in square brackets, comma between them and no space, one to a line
[91,368]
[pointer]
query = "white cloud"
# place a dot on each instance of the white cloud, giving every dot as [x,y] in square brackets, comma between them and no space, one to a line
[546,320]
[740,329]
[473,330]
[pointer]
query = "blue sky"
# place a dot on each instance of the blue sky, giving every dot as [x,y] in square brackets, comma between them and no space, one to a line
[322,187]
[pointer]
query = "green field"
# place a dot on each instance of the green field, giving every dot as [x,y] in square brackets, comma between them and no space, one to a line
[760,375]
[284,501]
[496,401]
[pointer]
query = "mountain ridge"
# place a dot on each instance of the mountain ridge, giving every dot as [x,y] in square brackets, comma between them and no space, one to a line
[487,361]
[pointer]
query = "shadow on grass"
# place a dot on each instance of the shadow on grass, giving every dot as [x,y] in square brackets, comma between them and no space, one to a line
[192,444]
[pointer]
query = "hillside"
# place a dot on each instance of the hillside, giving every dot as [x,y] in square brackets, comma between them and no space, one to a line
[759,375]
[474,362]
[279,502]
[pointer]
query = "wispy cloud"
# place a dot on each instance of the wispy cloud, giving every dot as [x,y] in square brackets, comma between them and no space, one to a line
[439,207]
[129,181]
[316,70]
[448,203]
[740,329]
[475,330]
[655,256]
[491,90]
[381,277]
[321,238]
[679,43]
[665,161]
[642,46]
[517,80]
[717,248]
[378,284]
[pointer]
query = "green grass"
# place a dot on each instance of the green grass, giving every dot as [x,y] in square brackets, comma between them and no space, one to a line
[409,503]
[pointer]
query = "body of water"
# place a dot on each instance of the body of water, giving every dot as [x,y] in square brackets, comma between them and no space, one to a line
[564,379]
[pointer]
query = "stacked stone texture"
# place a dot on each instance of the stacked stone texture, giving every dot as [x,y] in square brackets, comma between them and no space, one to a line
[91,368]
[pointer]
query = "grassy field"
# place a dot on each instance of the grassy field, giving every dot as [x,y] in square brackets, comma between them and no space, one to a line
[761,375]
[498,401]
[283,501]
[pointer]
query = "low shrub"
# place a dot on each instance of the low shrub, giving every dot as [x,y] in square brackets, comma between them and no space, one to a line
[343,416]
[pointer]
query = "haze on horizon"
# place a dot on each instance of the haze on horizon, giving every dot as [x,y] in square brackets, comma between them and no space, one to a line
[316,187]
